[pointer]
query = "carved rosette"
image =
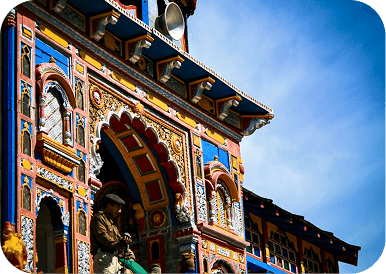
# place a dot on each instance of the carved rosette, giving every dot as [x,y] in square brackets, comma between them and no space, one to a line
[96,112]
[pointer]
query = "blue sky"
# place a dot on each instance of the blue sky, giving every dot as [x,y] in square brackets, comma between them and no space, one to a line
[320,65]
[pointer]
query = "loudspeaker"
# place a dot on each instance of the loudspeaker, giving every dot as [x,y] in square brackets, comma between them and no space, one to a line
[171,22]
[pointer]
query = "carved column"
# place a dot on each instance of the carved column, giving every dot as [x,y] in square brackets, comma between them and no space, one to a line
[212,200]
[67,127]
[228,215]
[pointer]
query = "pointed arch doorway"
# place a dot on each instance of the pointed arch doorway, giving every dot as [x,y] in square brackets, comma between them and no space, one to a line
[50,237]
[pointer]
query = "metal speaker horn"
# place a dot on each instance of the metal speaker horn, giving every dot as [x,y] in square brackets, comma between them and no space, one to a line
[172,22]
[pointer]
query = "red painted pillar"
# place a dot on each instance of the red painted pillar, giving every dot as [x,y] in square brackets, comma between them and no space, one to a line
[61,251]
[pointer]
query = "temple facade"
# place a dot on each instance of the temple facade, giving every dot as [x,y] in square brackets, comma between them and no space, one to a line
[102,96]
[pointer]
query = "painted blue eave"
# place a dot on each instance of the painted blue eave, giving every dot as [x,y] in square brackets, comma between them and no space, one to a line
[263,265]
[126,28]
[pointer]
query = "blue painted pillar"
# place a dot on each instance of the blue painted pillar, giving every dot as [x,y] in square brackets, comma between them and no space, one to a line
[9,118]
[145,12]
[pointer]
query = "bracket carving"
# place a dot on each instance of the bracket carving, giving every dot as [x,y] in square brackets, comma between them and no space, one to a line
[199,89]
[225,108]
[60,5]
[101,29]
[137,53]
[254,124]
[168,70]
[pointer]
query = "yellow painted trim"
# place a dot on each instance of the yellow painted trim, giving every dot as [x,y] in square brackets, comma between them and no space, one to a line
[27,33]
[27,164]
[90,60]
[209,79]
[57,145]
[293,239]
[146,37]
[236,97]
[268,116]
[308,245]
[186,120]
[157,102]
[122,80]
[196,140]
[206,103]
[271,228]
[302,268]
[215,136]
[82,191]
[63,269]
[53,35]
[258,221]
[79,68]
[113,13]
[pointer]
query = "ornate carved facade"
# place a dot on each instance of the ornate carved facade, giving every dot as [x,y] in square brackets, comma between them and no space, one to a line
[107,102]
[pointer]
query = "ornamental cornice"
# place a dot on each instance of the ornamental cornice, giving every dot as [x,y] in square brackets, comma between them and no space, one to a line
[119,64]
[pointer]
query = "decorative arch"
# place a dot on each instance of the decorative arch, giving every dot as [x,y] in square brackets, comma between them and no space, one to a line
[115,124]
[221,265]
[216,174]
[51,72]
[49,76]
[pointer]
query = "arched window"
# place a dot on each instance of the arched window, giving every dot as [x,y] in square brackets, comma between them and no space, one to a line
[79,95]
[26,197]
[82,222]
[198,166]
[53,113]
[311,261]
[282,252]
[80,136]
[25,101]
[205,263]
[26,141]
[82,172]
[26,61]
[155,250]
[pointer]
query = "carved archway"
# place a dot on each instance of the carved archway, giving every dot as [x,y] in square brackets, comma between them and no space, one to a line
[222,266]
[130,132]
